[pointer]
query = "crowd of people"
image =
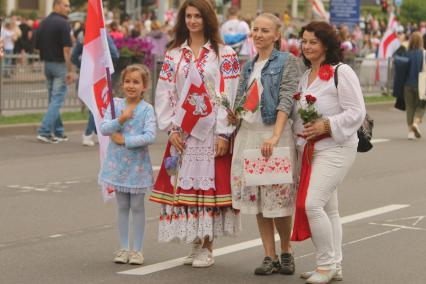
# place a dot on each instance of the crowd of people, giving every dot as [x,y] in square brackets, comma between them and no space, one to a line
[201,187]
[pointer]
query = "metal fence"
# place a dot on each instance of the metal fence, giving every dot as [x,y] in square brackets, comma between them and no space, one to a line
[23,85]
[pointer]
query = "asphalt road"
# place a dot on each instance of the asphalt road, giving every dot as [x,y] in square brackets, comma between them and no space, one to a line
[55,228]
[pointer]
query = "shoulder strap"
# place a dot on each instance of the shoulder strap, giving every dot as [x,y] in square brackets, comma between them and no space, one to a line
[336,76]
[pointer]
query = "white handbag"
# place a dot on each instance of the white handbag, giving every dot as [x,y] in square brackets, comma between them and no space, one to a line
[422,80]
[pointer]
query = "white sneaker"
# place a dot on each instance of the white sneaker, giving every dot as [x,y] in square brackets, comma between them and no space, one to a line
[411,135]
[196,248]
[415,128]
[203,259]
[121,256]
[136,257]
[87,140]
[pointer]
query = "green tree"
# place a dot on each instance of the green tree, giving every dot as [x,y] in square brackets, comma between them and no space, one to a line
[413,11]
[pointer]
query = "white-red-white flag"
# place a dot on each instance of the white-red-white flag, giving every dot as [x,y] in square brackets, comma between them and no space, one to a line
[195,113]
[319,9]
[389,44]
[93,86]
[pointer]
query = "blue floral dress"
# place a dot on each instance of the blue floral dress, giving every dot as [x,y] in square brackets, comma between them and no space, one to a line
[127,168]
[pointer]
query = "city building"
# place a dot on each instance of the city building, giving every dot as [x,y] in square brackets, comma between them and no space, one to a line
[42,7]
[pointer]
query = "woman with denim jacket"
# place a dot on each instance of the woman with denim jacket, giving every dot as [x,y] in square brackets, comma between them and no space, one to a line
[263,124]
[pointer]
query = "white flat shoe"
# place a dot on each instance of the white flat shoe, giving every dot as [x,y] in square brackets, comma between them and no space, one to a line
[321,278]
[338,276]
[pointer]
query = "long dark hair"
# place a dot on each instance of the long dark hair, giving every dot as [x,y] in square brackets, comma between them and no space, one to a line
[328,37]
[210,22]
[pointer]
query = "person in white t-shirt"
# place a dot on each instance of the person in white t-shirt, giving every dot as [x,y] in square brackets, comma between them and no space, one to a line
[234,31]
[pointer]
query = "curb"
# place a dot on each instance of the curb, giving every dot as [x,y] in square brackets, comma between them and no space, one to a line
[31,128]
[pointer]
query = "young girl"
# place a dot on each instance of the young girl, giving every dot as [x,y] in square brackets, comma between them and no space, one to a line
[127,168]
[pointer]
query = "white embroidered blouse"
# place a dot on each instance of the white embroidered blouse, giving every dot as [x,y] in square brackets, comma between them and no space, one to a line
[211,68]
[198,162]
[344,107]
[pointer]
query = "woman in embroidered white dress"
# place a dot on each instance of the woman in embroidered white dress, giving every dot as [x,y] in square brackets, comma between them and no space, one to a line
[264,126]
[328,145]
[200,208]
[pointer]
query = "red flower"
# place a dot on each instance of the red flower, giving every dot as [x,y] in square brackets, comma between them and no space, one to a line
[296,96]
[326,72]
[310,99]
[252,197]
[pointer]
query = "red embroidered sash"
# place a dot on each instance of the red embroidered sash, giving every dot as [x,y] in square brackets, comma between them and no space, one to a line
[301,229]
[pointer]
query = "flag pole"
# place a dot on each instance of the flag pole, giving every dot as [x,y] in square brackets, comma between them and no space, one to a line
[111,97]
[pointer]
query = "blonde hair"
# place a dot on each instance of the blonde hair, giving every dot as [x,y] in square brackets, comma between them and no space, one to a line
[278,24]
[416,41]
[142,70]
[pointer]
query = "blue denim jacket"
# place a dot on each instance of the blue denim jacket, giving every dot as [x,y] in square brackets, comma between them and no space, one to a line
[271,79]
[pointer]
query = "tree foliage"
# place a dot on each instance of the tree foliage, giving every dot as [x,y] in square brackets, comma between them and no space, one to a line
[413,11]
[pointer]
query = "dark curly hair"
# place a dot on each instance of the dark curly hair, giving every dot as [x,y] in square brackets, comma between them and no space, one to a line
[327,35]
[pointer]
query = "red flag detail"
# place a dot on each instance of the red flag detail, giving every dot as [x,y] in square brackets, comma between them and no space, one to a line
[301,229]
[252,100]
[94,20]
[197,105]
[101,93]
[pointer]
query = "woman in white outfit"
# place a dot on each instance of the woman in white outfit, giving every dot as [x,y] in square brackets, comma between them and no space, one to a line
[332,142]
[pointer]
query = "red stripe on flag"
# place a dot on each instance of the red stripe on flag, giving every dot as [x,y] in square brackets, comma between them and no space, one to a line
[94,20]
[387,42]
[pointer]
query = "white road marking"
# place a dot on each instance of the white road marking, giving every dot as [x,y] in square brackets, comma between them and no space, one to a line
[375,141]
[371,237]
[55,186]
[256,242]
[399,226]
[372,212]
[55,236]
[417,218]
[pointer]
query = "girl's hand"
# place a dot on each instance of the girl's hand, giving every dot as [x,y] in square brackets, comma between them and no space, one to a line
[268,145]
[126,115]
[118,138]
[177,141]
[314,129]
[232,117]
[221,147]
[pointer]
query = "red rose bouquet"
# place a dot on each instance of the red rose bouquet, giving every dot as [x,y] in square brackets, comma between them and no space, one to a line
[308,114]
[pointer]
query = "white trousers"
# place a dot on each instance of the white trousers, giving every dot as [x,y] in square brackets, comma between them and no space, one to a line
[329,167]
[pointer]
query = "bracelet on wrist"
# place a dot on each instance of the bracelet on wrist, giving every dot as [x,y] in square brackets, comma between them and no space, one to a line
[327,127]
[174,129]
